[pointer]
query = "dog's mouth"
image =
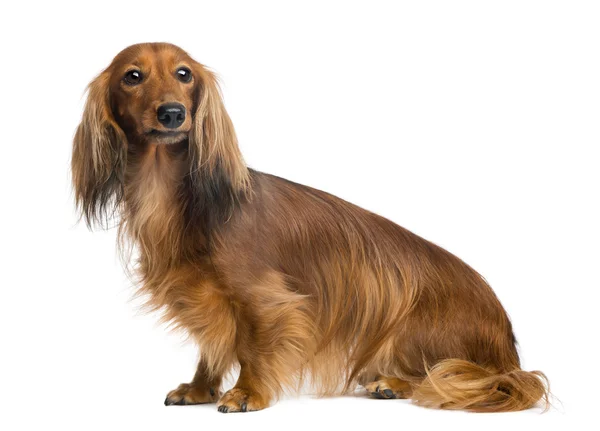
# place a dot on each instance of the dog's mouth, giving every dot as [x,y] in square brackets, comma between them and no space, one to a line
[167,136]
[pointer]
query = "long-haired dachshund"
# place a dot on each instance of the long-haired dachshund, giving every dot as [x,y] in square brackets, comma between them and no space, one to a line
[292,284]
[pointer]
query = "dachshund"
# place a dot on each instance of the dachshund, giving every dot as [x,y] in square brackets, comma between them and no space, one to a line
[296,287]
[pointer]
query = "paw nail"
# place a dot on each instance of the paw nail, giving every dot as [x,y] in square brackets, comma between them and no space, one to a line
[244,407]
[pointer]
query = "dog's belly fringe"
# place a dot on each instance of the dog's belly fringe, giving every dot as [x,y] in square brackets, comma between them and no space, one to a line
[326,342]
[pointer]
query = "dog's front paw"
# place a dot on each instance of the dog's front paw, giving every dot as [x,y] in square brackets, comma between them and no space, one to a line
[187,394]
[241,400]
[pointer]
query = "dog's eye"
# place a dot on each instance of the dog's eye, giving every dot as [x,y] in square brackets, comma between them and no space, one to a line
[184,74]
[133,77]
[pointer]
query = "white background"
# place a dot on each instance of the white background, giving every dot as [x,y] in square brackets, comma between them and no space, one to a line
[474,124]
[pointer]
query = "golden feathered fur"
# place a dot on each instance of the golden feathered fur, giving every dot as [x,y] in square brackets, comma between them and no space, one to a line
[289,282]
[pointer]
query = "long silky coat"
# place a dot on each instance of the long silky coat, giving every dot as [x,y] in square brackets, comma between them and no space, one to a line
[292,284]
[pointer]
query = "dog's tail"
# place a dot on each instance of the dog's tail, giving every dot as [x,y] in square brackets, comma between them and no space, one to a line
[462,385]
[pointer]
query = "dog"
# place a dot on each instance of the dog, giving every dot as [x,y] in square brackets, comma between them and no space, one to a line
[295,286]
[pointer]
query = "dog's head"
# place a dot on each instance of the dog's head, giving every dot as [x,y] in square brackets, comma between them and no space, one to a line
[152,94]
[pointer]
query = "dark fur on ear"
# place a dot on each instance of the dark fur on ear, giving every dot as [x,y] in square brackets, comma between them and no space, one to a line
[219,178]
[98,160]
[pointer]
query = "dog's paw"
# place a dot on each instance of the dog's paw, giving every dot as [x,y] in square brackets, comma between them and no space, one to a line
[186,395]
[388,388]
[241,400]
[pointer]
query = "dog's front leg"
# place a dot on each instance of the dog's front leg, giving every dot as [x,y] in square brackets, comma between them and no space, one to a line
[249,393]
[275,339]
[203,388]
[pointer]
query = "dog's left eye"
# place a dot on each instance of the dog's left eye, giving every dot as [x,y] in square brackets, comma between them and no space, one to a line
[184,74]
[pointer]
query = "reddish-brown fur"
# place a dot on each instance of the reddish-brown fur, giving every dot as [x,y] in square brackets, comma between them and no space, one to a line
[291,283]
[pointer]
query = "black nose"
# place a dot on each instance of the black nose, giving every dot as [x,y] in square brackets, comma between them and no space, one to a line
[171,115]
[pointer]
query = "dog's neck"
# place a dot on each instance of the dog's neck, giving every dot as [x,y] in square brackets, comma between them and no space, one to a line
[171,210]
[155,203]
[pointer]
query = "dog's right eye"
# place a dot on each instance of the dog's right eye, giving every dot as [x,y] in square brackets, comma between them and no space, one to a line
[133,77]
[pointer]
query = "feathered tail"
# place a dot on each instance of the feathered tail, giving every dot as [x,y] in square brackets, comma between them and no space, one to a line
[462,385]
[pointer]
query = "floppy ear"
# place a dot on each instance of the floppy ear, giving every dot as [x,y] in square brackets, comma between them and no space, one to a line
[98,160]
[212,138]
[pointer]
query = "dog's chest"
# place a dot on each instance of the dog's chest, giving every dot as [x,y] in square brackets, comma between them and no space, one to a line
[190,298]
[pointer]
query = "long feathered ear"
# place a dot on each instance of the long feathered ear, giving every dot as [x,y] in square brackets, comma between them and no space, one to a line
[218,175]
[98,160]
[213,137]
